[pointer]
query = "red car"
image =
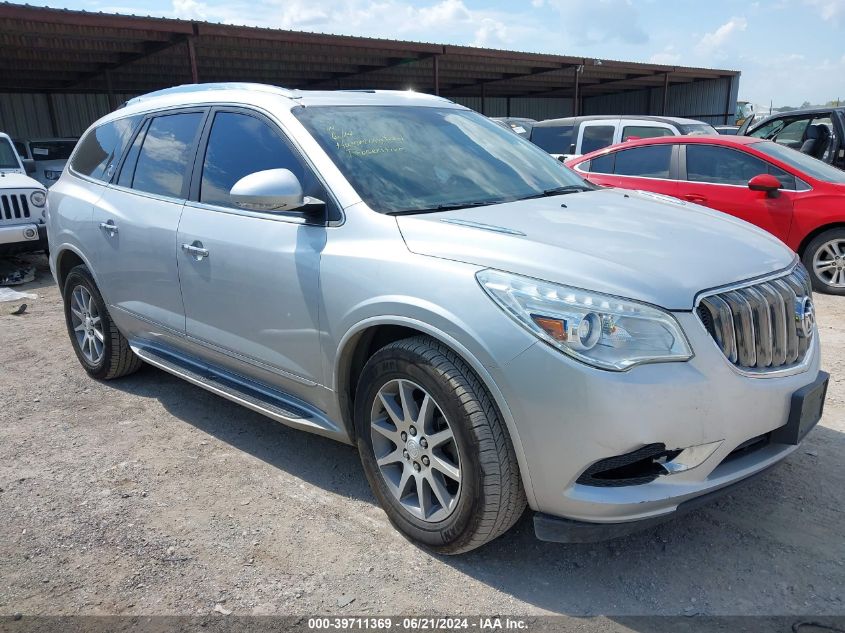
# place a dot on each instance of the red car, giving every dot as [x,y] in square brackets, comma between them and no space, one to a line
[799,199]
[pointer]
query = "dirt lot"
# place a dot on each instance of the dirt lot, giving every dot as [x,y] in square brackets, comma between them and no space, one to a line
[150,496]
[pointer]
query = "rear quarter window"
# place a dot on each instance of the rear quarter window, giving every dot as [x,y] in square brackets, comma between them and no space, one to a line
[99,150]
[555,140]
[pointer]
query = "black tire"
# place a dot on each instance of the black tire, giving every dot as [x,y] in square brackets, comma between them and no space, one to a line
[118,359]
[820,284]
[491,497]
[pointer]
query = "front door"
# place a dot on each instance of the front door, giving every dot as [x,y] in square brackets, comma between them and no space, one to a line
[251,290]
[717,177]
[137,218]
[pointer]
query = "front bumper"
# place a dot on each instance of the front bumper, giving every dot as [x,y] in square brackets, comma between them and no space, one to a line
[570,416]
[23,237]
[560,530]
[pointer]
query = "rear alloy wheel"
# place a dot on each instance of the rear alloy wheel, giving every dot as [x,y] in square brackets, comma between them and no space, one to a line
[100,347]
[824,258]
[436,453]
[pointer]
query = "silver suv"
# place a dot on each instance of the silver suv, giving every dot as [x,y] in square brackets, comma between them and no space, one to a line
[395,271]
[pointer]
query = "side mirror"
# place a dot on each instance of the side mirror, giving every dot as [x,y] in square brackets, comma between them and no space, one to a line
[766,183]
[28,165]
[271,190]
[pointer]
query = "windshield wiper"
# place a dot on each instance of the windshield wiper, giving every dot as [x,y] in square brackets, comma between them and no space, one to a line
[558,191]
[450,206]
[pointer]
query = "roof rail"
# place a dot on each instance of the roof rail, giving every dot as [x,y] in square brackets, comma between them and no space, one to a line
[226,85]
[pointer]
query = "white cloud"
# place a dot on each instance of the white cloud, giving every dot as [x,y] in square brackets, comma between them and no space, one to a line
[190,10]
[668,56]
[599,21]
[447,11]
[828,9]
[713,43]
[491,33]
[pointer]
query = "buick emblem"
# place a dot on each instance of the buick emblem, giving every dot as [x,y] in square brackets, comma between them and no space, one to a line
[805,316]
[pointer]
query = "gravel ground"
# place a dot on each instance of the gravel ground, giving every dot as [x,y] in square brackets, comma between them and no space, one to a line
[150,496]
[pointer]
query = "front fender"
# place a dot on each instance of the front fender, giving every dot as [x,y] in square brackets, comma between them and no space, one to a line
[432,321]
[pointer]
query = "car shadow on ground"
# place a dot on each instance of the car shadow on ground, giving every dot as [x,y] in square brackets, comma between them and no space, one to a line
[773,546]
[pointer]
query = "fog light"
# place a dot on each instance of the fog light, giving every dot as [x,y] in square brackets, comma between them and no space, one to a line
[30,234]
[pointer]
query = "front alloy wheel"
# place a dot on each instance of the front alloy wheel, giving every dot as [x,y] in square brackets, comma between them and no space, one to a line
[415,450]
[829,263]
[824,258]
[435,450]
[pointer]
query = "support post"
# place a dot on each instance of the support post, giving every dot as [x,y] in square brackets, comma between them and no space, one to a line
[110,90]
[436,74]
[192,60]
[508,102]
[665,94]
[575,99]
[51,111]
[728,109]
[483,99]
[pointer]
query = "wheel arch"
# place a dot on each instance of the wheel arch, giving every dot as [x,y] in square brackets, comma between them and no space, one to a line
[66,258]
[815,233]
[370,335]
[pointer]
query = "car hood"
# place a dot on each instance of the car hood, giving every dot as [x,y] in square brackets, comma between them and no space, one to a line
[631,244]
[12,180]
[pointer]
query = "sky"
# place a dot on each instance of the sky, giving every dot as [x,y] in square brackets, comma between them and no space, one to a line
[789,51]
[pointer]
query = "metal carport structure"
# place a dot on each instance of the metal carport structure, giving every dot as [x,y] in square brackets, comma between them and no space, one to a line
[61,69]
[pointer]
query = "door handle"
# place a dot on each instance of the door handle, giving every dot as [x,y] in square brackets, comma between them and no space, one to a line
[110,227]
[196,250]
[694,197]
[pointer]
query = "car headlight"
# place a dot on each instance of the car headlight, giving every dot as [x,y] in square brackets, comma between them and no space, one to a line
[601,330]
[38,198]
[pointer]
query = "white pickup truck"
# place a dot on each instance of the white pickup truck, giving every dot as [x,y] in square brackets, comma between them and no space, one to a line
[23,203]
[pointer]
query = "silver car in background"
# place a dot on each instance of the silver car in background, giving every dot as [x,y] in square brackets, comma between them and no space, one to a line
[395,271]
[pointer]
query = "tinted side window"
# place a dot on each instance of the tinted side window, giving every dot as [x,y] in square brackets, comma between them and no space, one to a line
[595,137]
[769,129]
[8,157]
[648,162]
[127,171]
[721,165]
[786,180]
[793,133]
[645,131]
[555,140]
[603,164]
[99,150]
[166,153]
[239,145]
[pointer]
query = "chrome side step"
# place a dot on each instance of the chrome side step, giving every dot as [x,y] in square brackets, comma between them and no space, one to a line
[260,398]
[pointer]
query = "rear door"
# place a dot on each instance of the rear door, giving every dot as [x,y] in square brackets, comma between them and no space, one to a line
[595,135]
[251,295]
[647,168]
[136,220]
[717,177]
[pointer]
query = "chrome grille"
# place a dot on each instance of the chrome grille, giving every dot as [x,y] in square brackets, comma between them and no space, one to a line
[758,327]
[14,206]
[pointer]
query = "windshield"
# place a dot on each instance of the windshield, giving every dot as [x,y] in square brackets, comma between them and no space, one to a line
[801,162]
[409,158]
[51,150]
[8,157]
